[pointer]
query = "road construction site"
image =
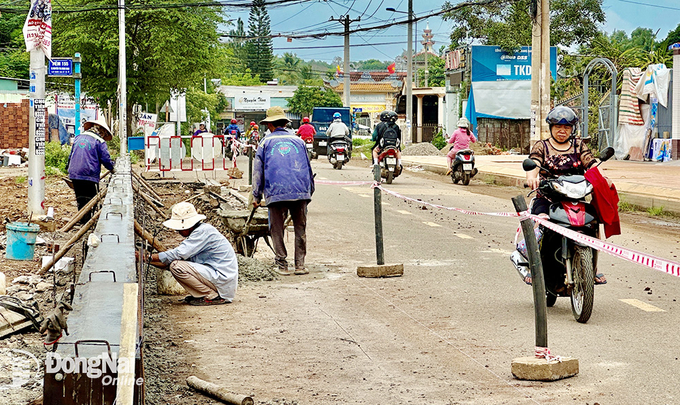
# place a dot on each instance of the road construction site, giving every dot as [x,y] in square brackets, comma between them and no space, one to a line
[443,333]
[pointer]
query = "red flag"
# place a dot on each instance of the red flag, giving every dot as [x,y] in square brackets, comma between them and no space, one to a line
[391,68]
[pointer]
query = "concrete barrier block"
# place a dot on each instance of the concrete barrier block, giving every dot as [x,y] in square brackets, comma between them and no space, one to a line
[381,270]
[539,369]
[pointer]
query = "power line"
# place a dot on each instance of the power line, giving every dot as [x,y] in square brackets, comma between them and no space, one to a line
[338,46]
[649,5]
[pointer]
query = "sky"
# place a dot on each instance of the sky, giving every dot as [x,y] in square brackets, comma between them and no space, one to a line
[311,17]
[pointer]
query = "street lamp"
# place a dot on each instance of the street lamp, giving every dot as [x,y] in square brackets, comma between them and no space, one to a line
[409,67]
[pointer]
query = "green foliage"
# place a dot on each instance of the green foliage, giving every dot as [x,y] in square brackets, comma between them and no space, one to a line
[199,104]
[14,60]
[372,64]
[438,140]
[20,179]
[53,171]
[507,23]
[259,50]
[435,67]
[306,98]
[167,47]
[56,156]
[357,142]
[655,211]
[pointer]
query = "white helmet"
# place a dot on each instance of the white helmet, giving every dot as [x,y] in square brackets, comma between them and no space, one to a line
[463,123]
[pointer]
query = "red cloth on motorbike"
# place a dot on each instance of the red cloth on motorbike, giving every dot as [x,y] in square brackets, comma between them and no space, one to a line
[606,202]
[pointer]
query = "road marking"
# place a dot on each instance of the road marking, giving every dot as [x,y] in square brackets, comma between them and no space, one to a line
[642,305]
[404,212]
[432,224]
[364,195]
[463,236]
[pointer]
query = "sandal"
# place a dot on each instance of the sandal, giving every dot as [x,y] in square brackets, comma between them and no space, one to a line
[283,271]
[301,271]
[200,302]
[599,279]
[188,299]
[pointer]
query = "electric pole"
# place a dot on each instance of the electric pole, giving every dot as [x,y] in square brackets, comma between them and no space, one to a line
[344,20]
[540,70]
[122,79]
[409,75]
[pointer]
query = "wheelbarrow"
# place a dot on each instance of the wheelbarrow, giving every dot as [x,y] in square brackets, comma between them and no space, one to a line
[245,228]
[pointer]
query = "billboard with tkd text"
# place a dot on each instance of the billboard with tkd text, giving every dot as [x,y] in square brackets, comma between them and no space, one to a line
[492,64]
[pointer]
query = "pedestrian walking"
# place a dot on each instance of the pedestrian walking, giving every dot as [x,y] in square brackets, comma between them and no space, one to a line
[282,174]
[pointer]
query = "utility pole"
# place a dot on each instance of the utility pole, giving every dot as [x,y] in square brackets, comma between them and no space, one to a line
[36,134]
[122,79]
[540,70]
[409,75]
[346,22]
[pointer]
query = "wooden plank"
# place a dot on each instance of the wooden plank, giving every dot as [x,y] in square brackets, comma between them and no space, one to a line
[381,270]
[11,322]
[128,340]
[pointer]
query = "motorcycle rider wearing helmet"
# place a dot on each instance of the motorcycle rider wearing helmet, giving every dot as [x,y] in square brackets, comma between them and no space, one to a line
[563,154]
[460,139]
[306,130]
[232,130]
[337,130]
[250,129]
[387,119]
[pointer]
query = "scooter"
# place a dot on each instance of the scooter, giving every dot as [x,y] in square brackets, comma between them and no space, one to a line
[309,144]
[463,167]
[387,159]
[253,142]
[569,266]
[339,153]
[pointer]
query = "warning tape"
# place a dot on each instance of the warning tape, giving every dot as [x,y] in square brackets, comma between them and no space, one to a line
[630,255]
[344,183]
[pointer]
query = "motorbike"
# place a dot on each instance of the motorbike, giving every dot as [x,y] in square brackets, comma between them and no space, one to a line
[254,142]
[309,144]
[387,159]
[569,266]
[463,167]
[339,153]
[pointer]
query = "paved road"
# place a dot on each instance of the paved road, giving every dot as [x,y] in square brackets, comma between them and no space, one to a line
[447,331]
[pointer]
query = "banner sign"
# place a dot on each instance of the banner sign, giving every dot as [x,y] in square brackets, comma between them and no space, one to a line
[491,64]
[40,122]
[38,27]
[147,122]
[66,110]
[252,102]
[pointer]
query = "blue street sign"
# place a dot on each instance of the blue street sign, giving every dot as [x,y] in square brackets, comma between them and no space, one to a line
[60,67]
[358,109]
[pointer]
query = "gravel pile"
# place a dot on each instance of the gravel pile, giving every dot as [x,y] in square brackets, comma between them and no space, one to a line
[421,149]
[253,270]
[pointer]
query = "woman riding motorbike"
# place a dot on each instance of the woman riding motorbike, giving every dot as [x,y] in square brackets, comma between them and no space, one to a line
[563,154]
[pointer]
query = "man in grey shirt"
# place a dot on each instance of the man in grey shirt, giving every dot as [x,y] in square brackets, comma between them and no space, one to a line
[204,263]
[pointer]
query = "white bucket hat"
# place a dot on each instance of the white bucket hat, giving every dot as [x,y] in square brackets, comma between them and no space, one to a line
[463,123]
[184,216]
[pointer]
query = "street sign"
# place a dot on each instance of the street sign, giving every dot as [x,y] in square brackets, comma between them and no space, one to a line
[358,110]
[60,67]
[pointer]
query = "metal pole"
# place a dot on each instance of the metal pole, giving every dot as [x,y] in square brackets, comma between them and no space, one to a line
[250,166]
[122,79]
[76,70]
[535,134]
[36,134]
[377,213]
[536,267]
[409,74]
[346,64]
[545,66]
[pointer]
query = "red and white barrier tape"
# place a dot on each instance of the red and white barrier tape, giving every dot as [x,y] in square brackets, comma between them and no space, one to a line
[403,197]
[630,255]
[544,352]
[344,183]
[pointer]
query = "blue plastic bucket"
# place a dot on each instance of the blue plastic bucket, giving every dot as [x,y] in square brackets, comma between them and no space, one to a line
[21,240]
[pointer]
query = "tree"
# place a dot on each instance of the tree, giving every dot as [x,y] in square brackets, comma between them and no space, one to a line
[166,48]
[238,46]
[373,64]
[435,67]
[289,66]
[14,60]
[199,104]
[260,54]
[507,23]
[306,98]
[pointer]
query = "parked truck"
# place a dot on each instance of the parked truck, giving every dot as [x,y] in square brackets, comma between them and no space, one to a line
[321,119]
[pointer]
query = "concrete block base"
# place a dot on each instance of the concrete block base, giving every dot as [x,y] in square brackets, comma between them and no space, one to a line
[538,369]
[381,270]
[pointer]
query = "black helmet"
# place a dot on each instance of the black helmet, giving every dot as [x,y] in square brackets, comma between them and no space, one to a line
[392,116]
[562,115]
[384,116]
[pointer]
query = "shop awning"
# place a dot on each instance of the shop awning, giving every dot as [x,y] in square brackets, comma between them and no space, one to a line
[501,100]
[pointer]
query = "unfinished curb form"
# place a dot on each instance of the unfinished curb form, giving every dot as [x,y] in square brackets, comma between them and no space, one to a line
[381,270]
[539,369]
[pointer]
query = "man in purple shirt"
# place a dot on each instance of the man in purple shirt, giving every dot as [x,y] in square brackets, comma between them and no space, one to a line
[88,153]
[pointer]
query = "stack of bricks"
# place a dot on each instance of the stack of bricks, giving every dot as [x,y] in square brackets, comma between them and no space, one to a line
[14,125]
